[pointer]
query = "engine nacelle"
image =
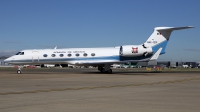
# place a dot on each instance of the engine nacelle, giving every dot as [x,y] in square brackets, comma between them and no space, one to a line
[135,50]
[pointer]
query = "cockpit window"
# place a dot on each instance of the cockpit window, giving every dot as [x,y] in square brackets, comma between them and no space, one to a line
[20,53]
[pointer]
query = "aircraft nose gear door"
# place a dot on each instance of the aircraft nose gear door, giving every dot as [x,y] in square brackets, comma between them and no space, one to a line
[35,56]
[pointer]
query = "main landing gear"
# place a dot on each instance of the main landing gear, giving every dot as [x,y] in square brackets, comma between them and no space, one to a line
[105,69]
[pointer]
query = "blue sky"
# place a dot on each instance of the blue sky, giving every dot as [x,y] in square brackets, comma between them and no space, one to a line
[35,24]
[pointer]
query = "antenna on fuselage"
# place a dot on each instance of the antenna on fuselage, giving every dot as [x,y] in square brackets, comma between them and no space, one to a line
[55,47]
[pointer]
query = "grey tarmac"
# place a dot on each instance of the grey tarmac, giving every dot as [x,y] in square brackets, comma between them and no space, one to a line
[87,90]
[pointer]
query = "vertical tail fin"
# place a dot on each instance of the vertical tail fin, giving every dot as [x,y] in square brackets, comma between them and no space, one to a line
[160,37]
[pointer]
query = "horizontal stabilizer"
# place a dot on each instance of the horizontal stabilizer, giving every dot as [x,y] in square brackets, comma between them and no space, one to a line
[155,56]
[172,28]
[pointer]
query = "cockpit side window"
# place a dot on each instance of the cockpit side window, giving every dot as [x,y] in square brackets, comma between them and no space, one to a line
[18,53]
[22,53]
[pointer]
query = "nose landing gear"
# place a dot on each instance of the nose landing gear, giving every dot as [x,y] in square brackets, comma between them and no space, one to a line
[19,70]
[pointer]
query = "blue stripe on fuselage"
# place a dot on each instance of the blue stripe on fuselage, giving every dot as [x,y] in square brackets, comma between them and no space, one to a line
[110,58]
[163,45]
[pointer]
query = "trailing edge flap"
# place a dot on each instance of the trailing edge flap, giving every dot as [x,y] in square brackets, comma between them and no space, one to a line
[155,56]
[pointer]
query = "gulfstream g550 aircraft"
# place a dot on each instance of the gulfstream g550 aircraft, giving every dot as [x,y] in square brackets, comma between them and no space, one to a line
[101,57]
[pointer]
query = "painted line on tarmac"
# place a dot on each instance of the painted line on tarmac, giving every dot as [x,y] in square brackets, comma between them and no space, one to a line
[100,87]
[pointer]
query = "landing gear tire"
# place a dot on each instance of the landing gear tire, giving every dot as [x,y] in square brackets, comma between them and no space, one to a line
[19,71]
[110,71]
[102,70]
[105,69]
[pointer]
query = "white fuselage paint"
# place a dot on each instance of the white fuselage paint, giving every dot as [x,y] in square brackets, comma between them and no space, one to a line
[37,56]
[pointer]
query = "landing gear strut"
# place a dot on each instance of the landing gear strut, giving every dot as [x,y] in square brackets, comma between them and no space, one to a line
[105,69]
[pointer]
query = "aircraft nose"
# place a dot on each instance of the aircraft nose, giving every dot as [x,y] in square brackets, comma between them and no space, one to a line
[7,60]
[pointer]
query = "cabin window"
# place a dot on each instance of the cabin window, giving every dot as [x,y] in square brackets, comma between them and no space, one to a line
[69,55]
[77,54]
[85,54]
[53,55]
[45,55]
[93,54]
[61,55]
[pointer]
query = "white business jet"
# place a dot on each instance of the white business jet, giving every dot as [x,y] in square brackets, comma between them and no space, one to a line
[101,57]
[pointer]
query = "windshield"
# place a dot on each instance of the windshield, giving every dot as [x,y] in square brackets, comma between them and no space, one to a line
[20,53]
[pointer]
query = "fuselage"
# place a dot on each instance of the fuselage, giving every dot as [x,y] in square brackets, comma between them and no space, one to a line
[78,56]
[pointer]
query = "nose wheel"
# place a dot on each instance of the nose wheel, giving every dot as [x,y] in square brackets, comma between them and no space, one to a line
[19,70]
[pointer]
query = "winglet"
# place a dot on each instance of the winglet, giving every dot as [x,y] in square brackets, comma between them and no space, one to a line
[155,56]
